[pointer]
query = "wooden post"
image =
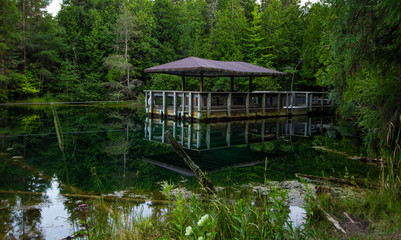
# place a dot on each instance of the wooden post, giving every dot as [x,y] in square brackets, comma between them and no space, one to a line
[198,136]
[247,104]
[183,83]
[209,105]
[232,84]
[321,101]
[250,83]
[182,134]
[199,106]
[175,129]
[229,105]
[293,98]
[208,136]
[228,134]
[150,129]
[286,102]
[311,102]
[175,105]
[201,81]
[189,140]
[206,183]
[278,103]
[163,129]
[262,130]
[146,102]
[164,105]
[190,105]
[146,127]
[151,104]
[306,103]
[183,105]
[246,131]
[264,104]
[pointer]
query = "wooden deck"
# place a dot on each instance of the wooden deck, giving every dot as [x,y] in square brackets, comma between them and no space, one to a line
[209,106]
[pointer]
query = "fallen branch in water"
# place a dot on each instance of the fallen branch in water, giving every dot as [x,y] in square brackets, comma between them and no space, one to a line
[203,180]
[362,159]
[358,183]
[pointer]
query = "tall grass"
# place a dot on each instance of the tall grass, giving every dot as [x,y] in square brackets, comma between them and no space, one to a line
[391,180]
[197,217]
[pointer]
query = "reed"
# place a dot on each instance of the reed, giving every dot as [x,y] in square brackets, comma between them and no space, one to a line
[60,139]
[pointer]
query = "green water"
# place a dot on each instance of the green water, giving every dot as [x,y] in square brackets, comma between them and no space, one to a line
[118,153]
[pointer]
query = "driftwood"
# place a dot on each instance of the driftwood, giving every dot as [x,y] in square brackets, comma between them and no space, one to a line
[333,221]
[203,180]
[358,183]
[88,196]
[346,225]
[362,159]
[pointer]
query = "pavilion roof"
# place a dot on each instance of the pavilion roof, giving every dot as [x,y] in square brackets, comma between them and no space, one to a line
[193,66]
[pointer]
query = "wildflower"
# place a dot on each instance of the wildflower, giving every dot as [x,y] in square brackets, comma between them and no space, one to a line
[375,130]
[82,207]
[204,220]
[200,238]
[188,231]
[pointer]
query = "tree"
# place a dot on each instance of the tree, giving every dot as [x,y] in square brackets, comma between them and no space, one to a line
[311,47]
[283,27]
[119,65]
[90,39]
[9,40]
[363,44]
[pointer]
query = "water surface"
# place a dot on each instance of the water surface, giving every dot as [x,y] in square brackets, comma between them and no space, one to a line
[119,153]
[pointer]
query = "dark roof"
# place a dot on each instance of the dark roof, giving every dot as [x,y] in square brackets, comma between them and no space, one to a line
[193,66]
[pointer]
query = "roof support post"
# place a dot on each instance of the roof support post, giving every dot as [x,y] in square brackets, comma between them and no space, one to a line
[183,83]
[250,83]
[232,84]
[201,81]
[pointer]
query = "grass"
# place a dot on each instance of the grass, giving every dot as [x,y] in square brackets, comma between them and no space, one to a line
[203,217]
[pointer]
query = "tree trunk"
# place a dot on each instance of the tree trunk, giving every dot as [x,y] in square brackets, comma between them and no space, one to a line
[204,181]
[24,33]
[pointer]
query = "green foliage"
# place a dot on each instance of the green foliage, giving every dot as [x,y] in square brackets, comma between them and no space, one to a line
[364,53]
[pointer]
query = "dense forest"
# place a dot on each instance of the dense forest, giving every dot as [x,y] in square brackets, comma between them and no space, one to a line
[97,49]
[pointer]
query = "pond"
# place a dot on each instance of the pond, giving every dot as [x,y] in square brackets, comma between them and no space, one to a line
[118,153]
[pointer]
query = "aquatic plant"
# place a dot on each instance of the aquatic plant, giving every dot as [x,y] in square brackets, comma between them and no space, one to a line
[60,139]
[85,222]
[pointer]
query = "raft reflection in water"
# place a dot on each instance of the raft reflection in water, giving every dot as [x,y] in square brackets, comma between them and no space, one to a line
[205,136]
[212,146]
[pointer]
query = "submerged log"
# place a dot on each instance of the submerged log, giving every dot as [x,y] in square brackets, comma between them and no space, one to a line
[358,183]
[203,180]
[362,159]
